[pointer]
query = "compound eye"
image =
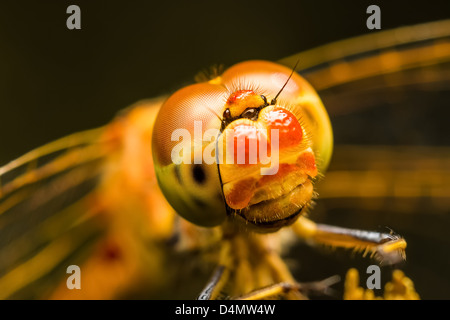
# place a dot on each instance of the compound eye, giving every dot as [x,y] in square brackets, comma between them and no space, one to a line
[193,190]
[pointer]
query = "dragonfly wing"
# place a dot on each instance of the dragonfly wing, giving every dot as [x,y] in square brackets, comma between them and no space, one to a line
[374,54]
[61,205]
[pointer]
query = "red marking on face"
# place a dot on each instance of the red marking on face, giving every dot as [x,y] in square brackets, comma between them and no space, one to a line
[290,131]
[239,95]
[307,162]
[241,193]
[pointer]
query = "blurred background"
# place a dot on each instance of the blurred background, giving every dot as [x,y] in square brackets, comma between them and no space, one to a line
[55,81]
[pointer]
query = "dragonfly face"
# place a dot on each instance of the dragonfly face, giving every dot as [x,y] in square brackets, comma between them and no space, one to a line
[264,155]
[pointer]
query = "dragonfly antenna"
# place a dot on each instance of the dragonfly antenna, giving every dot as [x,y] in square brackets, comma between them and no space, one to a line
[274,100]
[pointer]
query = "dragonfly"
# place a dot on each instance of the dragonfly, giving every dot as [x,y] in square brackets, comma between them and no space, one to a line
[108,201]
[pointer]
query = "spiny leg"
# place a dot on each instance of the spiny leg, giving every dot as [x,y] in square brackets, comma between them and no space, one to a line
[287,288]
[387,247]
[220,276]
[272,291]
[214,284]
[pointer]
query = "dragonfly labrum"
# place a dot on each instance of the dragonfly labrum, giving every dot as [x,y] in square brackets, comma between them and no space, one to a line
[113,201]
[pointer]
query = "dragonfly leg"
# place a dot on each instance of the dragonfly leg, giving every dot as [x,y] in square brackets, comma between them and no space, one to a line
[214,284]
[219,277]
[272,291]
[389,248]
[286,288]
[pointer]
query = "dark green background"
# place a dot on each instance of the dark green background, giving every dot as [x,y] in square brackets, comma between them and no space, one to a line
[55,81]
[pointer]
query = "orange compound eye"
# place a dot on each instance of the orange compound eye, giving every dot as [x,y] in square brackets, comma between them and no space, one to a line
[265,78]
[289,129]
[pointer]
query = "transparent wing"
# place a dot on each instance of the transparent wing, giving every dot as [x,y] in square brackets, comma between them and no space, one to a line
[375,54]
[44,219]
[52,206]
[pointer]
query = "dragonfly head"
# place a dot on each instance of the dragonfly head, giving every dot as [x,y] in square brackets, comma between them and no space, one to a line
[223,152]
